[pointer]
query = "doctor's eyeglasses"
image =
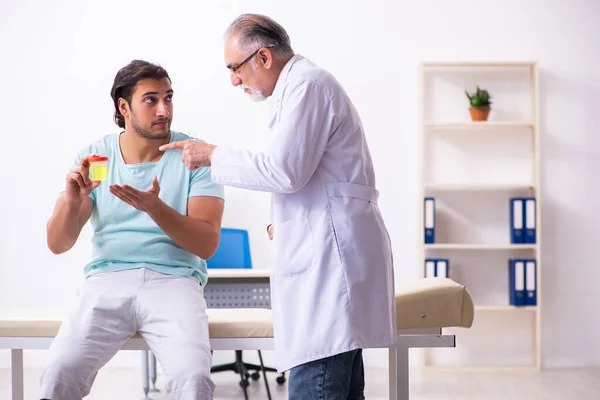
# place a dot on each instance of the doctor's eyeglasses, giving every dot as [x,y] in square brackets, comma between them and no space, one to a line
[235,68]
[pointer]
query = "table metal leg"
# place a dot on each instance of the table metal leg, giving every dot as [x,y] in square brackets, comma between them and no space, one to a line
[153,373]
[17,374]
[145,377]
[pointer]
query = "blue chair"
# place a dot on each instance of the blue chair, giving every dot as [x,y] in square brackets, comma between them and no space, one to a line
[234,252]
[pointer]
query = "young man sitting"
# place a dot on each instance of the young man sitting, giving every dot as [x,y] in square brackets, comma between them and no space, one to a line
[155,222]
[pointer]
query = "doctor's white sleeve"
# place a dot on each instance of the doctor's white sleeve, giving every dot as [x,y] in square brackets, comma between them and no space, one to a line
[299,140]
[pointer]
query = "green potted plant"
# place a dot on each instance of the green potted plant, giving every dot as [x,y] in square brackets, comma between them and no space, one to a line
[480,104]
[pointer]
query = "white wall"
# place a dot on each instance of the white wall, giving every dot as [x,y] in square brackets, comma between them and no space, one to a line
[58,60]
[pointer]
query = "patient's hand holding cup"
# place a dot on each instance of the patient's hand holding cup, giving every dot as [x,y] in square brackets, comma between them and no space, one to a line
[98,168]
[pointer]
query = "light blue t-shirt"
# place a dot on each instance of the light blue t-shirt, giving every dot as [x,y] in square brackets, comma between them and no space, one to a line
[125,238]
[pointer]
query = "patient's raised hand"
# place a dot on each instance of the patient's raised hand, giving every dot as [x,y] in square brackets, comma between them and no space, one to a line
[144,201]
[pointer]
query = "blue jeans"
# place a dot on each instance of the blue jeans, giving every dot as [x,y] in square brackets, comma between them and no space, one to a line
[339,377]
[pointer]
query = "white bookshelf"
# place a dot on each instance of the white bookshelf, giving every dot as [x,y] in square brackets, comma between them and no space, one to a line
[470,126]
[474,246]
[506,308]
[432,187]
[472,169]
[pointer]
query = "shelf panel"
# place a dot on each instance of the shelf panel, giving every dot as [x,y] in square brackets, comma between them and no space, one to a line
[506,308]
[477,125]
[450,187]
[478,368]
[479,64]
[467,246]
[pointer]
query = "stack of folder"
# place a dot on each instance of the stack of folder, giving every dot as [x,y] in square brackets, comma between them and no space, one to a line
[522,282]
[522,220]
[437,267]
[429,220]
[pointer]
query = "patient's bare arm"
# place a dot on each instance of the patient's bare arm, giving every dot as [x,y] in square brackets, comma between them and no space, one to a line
[199,231]
[72,210]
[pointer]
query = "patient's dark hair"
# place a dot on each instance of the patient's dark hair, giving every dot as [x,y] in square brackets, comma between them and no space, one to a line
[127,79]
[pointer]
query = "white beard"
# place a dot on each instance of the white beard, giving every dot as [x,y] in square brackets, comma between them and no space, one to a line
[255,94]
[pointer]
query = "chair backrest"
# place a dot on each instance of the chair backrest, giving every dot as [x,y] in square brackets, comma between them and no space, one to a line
[233,250]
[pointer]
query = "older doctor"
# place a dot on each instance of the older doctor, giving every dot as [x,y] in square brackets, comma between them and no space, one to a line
[332,285]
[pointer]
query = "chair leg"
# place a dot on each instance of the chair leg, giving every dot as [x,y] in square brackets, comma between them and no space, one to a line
[254,367]
[224,367]
[242,366]
[264,375]
[241,369]
[281,378]
[257,368]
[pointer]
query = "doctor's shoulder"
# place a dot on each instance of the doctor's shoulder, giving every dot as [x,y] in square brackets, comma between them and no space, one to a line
[320,81]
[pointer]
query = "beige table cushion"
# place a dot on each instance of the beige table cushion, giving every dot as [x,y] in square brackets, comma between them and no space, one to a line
[223,323]
[433,303]
[29,328]
[426,303]
[240,323]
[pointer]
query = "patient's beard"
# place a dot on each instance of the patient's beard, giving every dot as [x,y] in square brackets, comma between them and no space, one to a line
[165,131]
[255,94]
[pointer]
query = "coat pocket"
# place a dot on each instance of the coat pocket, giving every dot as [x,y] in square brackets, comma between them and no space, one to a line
[294,247]
[361,235]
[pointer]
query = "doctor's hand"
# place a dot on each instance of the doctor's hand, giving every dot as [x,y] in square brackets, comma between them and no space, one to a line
[195,154]
[79,184]
[147,201]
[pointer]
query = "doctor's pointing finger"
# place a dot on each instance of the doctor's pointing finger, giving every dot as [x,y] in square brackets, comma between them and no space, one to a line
[195,154]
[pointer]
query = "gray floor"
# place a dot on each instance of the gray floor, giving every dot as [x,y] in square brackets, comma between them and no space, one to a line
[117,384]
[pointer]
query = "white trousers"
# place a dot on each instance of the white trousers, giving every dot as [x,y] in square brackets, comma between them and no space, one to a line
[168,311]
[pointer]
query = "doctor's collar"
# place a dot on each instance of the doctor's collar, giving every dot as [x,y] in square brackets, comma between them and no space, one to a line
[280,84]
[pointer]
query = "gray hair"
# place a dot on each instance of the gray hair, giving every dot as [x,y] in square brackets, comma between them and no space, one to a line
[256,31]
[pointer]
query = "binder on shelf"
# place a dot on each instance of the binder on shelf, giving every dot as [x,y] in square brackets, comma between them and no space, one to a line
[530,283]
[437,267]
[529,234]
[442,266]
[430,268]
[516,282]
[429,218]
[516,220]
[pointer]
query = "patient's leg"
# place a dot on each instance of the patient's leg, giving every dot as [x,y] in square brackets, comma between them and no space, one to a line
[173,321]
[101,321]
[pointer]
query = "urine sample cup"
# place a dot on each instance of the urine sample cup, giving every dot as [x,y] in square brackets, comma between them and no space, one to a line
[98,168]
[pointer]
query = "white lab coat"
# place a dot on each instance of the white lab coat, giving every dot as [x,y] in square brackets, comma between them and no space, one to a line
[332,285]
